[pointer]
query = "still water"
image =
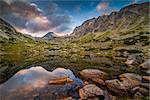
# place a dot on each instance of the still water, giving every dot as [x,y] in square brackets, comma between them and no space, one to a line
[33,83]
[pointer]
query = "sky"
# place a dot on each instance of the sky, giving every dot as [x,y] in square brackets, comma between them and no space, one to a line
[38,17]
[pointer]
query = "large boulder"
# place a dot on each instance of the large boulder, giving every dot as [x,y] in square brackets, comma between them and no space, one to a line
[117,87]
[91,91]
[130,80]
[95,75]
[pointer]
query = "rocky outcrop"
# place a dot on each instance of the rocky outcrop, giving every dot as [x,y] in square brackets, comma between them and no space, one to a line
[95,75]
[123,19]
[7,31]
[7,28]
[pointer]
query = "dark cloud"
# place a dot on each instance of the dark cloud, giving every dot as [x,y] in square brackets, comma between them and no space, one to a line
[29,18]
[57,16]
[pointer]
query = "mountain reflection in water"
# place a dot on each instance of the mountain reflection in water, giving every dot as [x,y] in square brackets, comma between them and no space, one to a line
[33,83]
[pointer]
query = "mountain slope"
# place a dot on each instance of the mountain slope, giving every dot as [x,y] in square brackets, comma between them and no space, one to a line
[9,34]
[18,50]
[132,17]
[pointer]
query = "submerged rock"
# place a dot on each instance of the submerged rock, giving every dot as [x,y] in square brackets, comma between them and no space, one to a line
[95,75]
[34,83]
[61,80]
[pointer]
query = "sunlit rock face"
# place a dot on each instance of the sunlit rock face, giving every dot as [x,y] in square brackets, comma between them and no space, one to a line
[33,84]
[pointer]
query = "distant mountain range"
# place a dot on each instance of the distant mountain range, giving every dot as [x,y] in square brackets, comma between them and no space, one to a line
[132,17]
[49,36]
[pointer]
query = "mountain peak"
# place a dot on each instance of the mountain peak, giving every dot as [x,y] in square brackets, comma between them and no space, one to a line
[127,18]
[49,35]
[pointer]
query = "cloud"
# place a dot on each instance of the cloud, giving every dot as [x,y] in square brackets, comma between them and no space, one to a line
[60,20]
[137,1]
[39,23]
[29,18]
[102,6]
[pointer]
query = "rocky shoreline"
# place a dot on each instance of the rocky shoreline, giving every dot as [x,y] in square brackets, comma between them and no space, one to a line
[127,85]
[61,84]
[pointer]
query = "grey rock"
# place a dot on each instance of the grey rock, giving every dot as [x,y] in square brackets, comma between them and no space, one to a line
[146,65]
[144,91]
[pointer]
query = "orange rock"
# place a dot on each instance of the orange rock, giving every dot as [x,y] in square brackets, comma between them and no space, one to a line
[61,80]
[95,75]
[130,80]
[117,87]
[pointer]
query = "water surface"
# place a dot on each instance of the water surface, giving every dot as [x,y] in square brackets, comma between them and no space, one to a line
[33,83]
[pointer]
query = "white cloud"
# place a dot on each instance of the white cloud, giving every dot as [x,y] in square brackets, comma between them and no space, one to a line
[102,6]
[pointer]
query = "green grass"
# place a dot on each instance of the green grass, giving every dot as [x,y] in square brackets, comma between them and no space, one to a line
[99,50]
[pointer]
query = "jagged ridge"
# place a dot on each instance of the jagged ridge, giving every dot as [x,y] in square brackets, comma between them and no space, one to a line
[132,17]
